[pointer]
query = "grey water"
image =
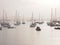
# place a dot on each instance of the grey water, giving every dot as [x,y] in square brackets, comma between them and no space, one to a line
[24,35]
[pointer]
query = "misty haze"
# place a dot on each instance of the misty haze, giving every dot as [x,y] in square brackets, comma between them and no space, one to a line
[29,22]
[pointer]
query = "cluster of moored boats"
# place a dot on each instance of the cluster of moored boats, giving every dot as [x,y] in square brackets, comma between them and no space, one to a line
[5,23]
[51,23]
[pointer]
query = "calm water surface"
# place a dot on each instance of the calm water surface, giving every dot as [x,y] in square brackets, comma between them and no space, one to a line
[24,35]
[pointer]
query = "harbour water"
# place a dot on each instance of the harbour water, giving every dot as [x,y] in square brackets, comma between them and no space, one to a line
[24,35]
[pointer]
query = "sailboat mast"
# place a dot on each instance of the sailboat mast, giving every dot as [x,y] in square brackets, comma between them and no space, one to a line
[39,17]
[6,18]
[23,17]
[32,17]
[16,16]
[51,13]
[3,15]
[55,14]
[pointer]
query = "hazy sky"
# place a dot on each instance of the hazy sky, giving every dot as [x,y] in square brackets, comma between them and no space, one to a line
[26,7]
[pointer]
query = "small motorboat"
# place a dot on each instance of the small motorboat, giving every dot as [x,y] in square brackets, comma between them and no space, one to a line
[57,27]
[38,29]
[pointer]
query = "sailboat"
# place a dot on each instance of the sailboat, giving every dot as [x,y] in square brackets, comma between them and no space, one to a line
[57,24]
[33,24]
[39,22]
[23,21]
[4,22]
[17,21]
[53,22]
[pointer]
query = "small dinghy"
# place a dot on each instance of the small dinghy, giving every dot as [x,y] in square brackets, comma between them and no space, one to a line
[38,29]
